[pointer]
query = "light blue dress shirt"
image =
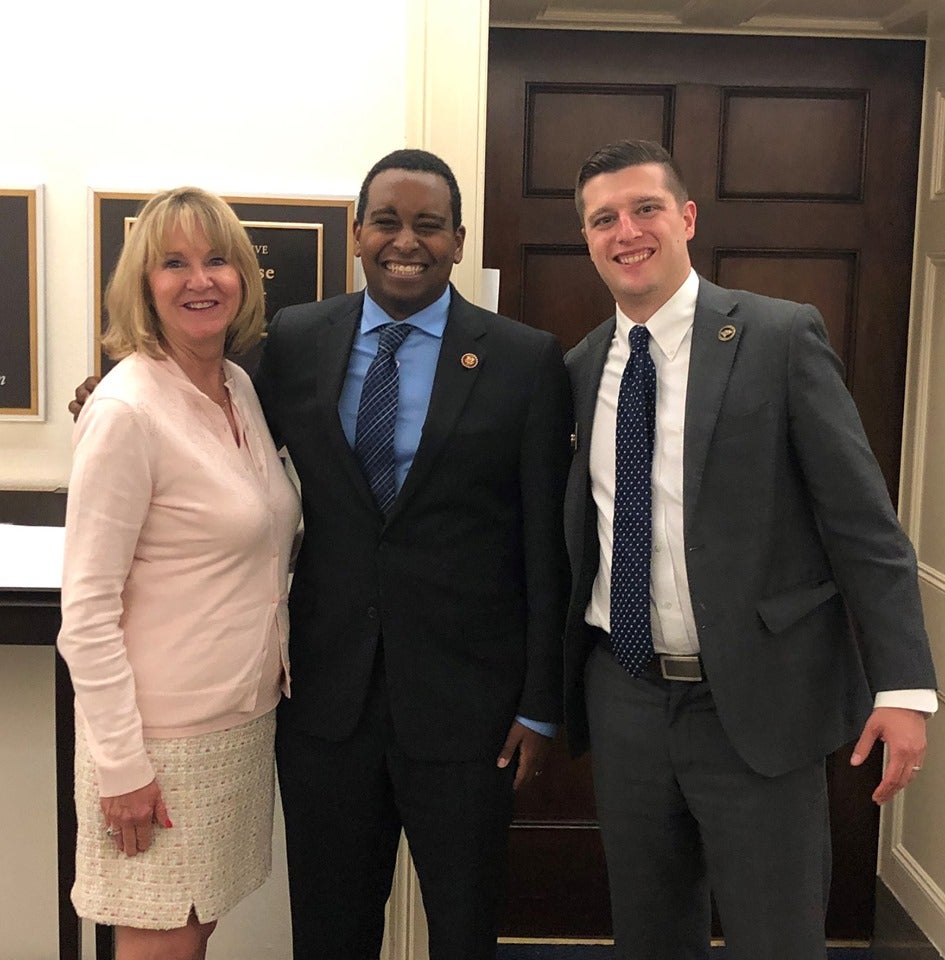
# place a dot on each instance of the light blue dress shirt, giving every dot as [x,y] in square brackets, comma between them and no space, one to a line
[416,367]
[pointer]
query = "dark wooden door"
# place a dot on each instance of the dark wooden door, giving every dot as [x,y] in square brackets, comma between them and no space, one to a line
[801,155]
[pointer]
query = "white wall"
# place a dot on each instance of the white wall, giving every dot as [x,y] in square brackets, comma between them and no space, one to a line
[912,847]
[274,97]
[259,98]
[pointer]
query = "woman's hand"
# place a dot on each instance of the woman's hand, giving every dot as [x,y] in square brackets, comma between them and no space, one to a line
[130,817]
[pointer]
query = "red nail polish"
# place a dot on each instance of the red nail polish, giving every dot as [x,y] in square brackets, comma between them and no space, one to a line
[167,822]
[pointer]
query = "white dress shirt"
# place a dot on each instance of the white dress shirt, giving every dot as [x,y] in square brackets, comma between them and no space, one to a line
[671,618]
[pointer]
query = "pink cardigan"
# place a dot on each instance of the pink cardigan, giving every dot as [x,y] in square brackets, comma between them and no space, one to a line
[176,563]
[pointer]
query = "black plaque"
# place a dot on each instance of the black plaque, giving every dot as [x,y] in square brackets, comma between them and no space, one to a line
[304,245]
[21,332]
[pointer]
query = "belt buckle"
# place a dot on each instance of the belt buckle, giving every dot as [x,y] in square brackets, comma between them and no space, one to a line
[685,668]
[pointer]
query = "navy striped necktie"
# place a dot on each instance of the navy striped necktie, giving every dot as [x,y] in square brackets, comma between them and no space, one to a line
[377,414]
[630,632]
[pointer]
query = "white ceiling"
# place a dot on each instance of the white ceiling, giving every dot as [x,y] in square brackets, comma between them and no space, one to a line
[878,18]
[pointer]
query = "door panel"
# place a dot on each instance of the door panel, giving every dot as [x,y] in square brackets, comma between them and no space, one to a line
[801,155]
[827,278]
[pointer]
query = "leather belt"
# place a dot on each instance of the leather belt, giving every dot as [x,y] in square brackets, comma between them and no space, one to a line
[670,666]
[687,668]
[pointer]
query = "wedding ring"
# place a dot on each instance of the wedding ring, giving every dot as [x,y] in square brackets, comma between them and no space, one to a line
[915,769]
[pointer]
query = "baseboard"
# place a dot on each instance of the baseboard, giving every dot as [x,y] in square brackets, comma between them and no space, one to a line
[918,894]
[911,890]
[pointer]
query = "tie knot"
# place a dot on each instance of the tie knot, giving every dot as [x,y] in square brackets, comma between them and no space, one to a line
[392,336]
[639,337]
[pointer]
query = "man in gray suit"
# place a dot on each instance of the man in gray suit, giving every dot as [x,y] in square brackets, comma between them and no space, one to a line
[723,512]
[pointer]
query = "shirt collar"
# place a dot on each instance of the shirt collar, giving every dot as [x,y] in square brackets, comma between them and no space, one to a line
[670,324]
[431,319]
[169,365]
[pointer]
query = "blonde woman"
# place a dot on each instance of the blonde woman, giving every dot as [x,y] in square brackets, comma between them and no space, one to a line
[178,531]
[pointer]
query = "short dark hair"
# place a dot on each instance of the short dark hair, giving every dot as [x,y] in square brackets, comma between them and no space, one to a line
[419,161]
[629,153]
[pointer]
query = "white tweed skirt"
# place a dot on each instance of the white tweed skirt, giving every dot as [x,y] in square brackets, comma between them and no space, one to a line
[218,788]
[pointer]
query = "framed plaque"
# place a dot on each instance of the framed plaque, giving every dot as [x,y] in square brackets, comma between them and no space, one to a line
[304,245]
[22,334]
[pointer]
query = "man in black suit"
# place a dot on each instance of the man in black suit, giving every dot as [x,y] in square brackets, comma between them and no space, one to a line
[425,634]
[709,663]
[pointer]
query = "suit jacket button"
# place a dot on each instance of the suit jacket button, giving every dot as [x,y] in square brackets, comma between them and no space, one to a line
[372,613]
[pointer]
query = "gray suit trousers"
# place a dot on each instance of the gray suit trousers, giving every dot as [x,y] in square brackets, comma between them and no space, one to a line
[681,813]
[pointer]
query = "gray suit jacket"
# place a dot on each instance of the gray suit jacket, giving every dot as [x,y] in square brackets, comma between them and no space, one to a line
[786,516]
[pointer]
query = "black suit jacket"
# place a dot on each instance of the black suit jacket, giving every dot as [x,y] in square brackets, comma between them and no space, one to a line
[786,516]
[467,578]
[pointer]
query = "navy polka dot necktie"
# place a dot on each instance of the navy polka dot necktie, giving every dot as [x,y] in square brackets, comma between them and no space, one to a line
[630,634]
[377,413]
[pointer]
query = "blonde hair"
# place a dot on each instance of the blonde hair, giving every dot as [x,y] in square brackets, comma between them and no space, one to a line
[132,322]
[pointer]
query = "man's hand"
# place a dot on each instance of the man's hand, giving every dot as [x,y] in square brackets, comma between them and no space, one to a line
[82,393]
[532,751]
[903,732]
[130,817]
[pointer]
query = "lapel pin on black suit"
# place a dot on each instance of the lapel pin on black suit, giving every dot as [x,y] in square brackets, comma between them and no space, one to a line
[726,333]
[469,360]
[574,440]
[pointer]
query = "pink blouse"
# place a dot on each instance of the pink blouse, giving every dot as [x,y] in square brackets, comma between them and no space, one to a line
[174,588]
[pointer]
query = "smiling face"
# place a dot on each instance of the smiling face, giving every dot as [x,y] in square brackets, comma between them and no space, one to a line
[407,242]
[636,233]
[195,291]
